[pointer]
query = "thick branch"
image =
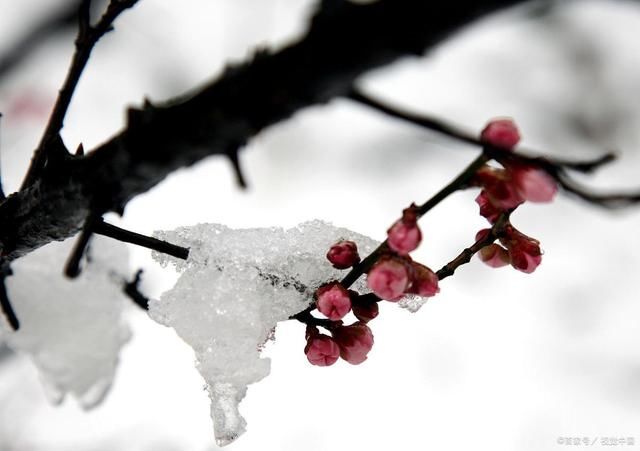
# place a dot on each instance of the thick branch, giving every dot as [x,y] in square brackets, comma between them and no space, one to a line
[344,41]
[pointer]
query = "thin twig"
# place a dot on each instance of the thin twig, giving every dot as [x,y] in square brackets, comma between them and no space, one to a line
[87,38]
[555,167]
[460,182]
[5,303]
[458,133]
[72,268]
[52,23]
[465,256]
[103,228]
[132,290]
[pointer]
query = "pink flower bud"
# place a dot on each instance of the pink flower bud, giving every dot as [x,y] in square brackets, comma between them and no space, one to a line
[494,255]
[355,342]
[498,187]
[487,209]
[321,350]
[533,184]
[364,309]
[343,254]
[333,301]
[524,251]
[389,278]
[425,281]
[404,235]
[501,133]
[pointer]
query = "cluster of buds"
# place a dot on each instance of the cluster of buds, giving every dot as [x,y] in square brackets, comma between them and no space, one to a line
[396,273]
[392,276]
[351,342]
[503,190]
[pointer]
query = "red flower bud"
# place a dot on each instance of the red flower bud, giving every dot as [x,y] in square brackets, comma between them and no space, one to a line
[343,254]
[404,235]
[321,350]
[524,251]
[487,209]
[355,342]
[389,278]
[499,188]
[425,281]
[364,309]
[333,301]
[494,255]
[501,133]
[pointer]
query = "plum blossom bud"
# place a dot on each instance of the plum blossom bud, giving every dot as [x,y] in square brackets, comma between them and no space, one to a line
[389,278]
[487,209]
[501,133]
[524,251]
[355,342]
[364,309]
[425,281]
[404,235]
[321,350]
[533,184]
[343,254]
[494,255]
[499,188]
[333,301]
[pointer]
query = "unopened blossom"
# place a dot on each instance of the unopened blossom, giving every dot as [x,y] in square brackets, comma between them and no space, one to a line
[343,254]
[487,209]
[533,184]
[389,278]
[355,342]
[364,310]
[333,301]
[424,281]
[404,235]
[524,252]
[499,188]
[494,255]
[501,133]
[321,350]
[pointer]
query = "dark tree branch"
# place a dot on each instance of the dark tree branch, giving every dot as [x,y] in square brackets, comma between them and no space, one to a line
[132,290]
[555,167]
[5,304]
[460,182]
[60,20]
[465,256]
[344,41]
[72,268]
[88,36]
[102,228]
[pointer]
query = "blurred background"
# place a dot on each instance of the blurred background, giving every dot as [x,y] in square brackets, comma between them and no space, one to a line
[499,360]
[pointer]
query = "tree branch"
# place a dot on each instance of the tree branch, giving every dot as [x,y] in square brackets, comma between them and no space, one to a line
[102,228]
[344,40]
[88,36]
[555,167]
[5,304]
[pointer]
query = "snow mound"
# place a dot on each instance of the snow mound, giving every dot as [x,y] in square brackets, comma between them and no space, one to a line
[72,330]
[234,288]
